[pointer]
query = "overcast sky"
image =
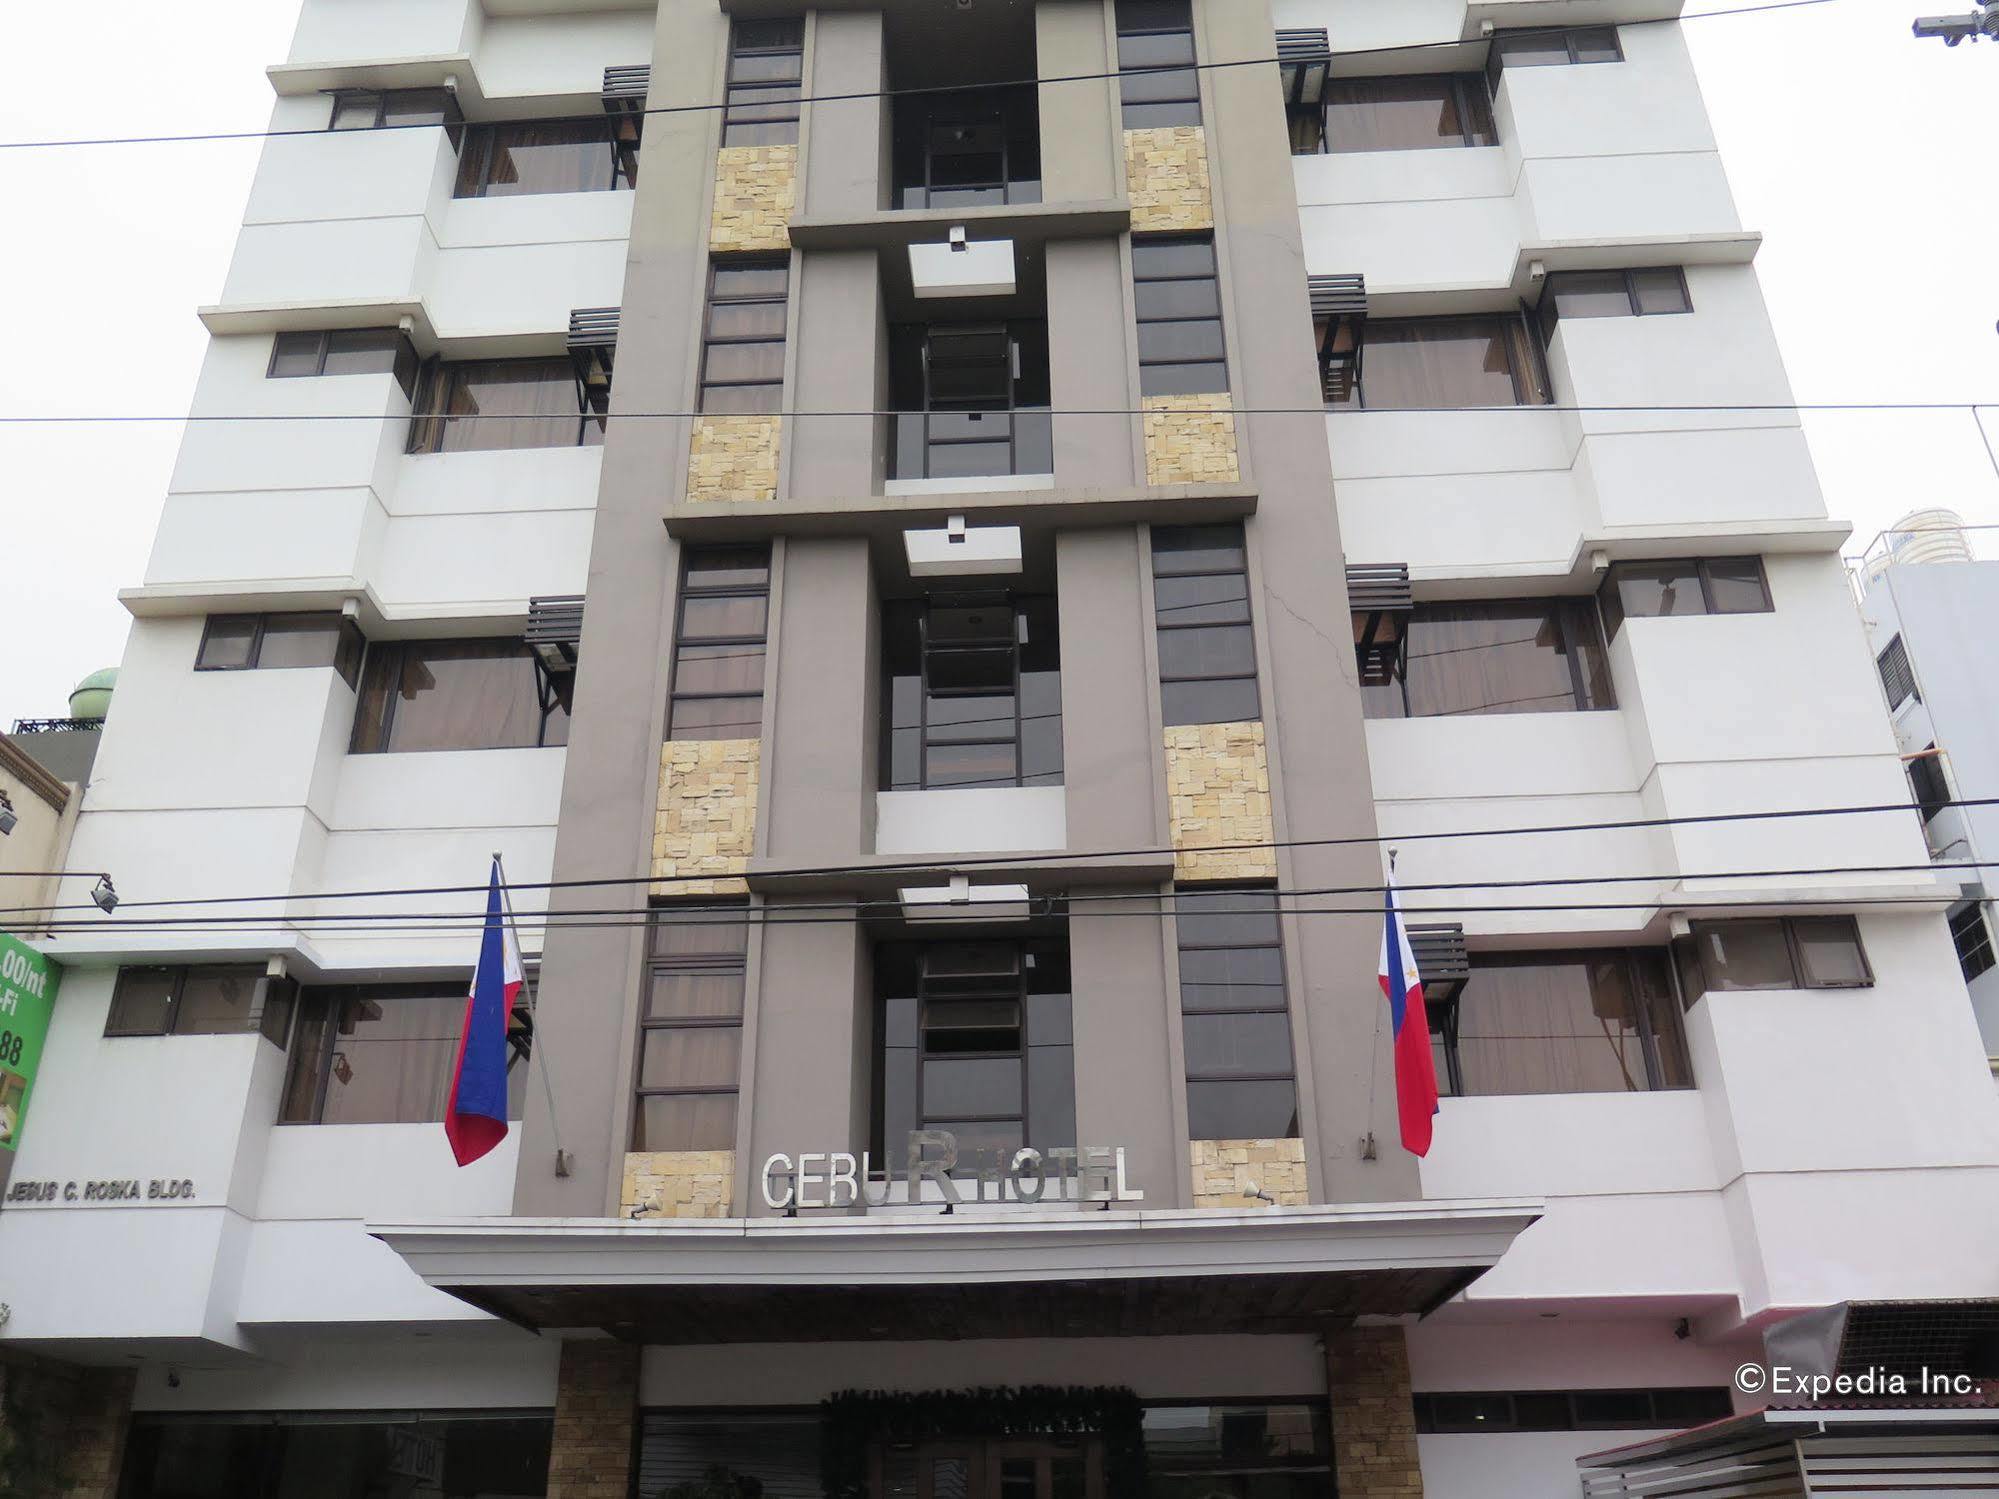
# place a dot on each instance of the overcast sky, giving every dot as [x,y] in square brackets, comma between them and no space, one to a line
[1863,155]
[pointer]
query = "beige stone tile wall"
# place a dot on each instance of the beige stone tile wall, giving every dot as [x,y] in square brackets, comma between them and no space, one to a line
[1227,1171]
[1166,174]
[1218,792]
[734,457]
[707,816]
[1374,1415]
[1190,439]
[596,1409]
[678,1184]
[755,190]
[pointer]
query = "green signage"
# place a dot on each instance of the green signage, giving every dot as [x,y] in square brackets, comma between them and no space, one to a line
[28,984]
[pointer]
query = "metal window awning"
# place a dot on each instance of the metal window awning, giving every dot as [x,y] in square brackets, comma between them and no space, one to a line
[625,88]
[593,350]
[1442,959]
[1304,61]
[976,1274]
[1382,599]
[1339,313]
[555,631]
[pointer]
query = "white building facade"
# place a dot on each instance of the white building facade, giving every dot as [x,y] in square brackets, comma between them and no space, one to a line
[1706,1045]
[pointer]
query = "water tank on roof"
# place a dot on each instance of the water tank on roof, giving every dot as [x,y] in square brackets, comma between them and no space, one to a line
[1931,535]
[92,695]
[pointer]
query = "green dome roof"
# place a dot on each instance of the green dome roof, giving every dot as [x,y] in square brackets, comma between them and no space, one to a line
[93,694]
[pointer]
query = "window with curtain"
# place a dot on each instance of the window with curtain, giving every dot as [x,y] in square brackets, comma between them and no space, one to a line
[1503,656]
[213,999]
[253,642]
[1158,82]
[456,695]
[1178,304]
[594,155]
[1444,362]
[1207,646]
[383,1054]
[691,1027]
[1682,586]
[1416,112]
[502,403]
[718,644]
[742,335]
[1772,952]
[974,691]
[1234,1018]
[766,81]
[975,1038]
[1587,1021]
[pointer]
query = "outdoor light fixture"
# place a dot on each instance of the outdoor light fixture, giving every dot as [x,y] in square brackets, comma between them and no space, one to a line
[7,817]
[104,895]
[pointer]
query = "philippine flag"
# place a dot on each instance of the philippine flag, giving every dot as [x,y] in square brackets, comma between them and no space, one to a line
[1415,1069]
[475,1120]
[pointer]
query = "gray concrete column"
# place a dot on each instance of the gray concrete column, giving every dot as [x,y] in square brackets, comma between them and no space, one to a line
[1111,754]
[1082,135]
[846,140]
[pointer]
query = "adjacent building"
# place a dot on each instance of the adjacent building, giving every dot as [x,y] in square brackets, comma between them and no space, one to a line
[1930,608]
[947,549]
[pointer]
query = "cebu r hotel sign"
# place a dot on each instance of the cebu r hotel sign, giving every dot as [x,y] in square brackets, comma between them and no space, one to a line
[1087,1175]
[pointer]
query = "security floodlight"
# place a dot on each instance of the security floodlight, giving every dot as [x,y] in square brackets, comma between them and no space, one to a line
[7,817]
[1954,29]
[104,895]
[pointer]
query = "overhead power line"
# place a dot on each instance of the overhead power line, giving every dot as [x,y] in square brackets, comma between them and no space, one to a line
[936,864]
[711,106]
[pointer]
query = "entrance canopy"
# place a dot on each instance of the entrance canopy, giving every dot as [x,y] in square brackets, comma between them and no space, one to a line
[965,1275]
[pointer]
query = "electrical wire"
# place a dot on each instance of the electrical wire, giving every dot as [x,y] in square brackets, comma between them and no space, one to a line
[939,864]
[1774,408]
[859,95]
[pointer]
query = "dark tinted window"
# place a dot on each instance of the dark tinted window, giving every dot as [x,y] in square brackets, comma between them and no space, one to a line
[1207,648]
[766,71]
[1235,1022]
[1972,937]
[691,1028]
[1771,952]
[1407,114]
[456,694]
[1239,1451]
[238,642]
[974,692]
[1446,362]
[1927,784]
[447,1456]
[718,645]
[1552,48]
[1692,585]
[373,109]
[1595,294]
[772,1456]
[548,156]
[1507,656]
[1589,1021]
[1571,1410]
[383,1054]
[345,351]
[502,403]
[1178,302]
[1158,82]
[204,1000]
[742,347]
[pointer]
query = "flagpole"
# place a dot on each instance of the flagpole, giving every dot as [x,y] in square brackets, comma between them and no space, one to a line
[537,1048]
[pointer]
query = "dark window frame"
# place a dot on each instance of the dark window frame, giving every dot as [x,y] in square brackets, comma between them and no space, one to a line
[1549,314]
[1163,626]
[741,93]
[658,965]
[1971,935]
[1527,365]
[1897,673]
[1193,895]
[345,100]
[549,691]
[1496,63]
[432,420]
[761,640]
[1568,610]
[405,366]
[278,1016]
[349,647]
[1446,1018]
[1140,245]
[1610,601]
[1689,968]
[717,264]
[1178,111]
[1564,1410]
[928,653]
[333,997]
[1469,93]
[1927,783]
[619,138]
